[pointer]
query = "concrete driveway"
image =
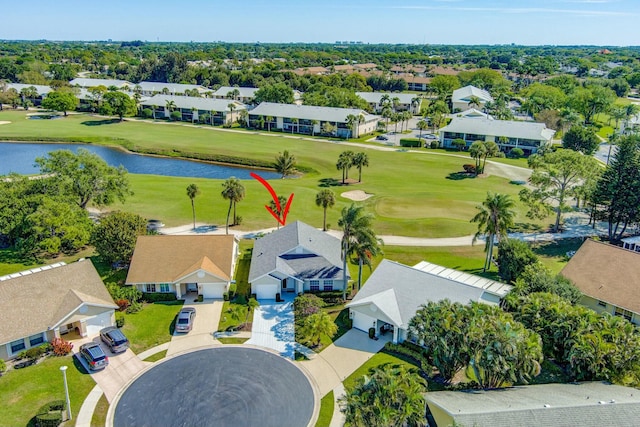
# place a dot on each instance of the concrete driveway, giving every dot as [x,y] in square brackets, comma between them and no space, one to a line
[205,324]
[273,327]
[121,369]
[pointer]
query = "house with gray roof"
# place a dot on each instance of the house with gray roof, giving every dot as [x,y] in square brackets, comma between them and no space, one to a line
[405,101]
[87,83]
[312,120]
[508,134]
[243,94]
[47,302]
[588,404]
[394,292]
[41,90]
[295,259]
[155,88]
[461,98]
[194,109]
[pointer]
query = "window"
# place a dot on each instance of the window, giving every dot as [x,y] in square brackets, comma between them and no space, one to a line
[36,340]
[314,285]
[602,303]
[328,285]
[151,287]
[164,287]
[623,313]
[17,345]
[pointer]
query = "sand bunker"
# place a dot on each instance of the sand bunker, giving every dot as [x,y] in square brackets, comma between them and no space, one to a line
[357,195]
[4,122]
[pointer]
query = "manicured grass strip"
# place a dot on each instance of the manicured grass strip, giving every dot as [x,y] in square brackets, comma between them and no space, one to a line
[156,357]
[99,418]
[326,410]
[232,340]
[378,359]
[24,391]
[227,321]
[12,262]
[151,326]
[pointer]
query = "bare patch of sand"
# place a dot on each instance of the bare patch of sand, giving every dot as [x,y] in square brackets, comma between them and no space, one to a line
[4,122]
[357,195]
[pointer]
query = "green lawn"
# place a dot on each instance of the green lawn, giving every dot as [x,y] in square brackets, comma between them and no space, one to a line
[11,261]
[378,359]
[24,391]
[151,326]
[232,340]
[243,287]
[99,418]
[155,357]
[326,410]
[227,321]
[554,254]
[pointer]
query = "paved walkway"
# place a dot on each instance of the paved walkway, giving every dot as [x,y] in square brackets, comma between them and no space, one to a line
[204,326]
[273,327]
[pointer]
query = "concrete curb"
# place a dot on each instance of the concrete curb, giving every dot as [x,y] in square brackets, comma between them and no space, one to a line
[338,419]
[83,419]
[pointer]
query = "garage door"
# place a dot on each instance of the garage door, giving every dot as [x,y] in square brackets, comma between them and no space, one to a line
[98,322]
[363,322]
[266,291]
[213,290]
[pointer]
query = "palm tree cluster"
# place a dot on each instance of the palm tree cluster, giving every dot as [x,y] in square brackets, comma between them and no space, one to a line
[233,191]
[348,159]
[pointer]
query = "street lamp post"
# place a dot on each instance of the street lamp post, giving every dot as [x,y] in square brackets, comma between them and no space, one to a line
[66,390]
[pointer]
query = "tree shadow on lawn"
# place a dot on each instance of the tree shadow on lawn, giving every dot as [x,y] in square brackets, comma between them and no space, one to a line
[557,248]
[329,182]
[458,176]
[100,122]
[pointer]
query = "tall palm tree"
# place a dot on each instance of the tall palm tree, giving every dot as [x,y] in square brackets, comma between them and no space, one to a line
[345,161]
[285,163]
[474,102]
[294,124]
[360,160]
[365,247]
[192,192]
[233,191]
[313,126]
[630,111]
[351,121]
[386,113]
[269,119]
[325,199]
[355,223]
[494,219]
[274,207]
[422,125]
[232,107]
[415,102]
[385,100]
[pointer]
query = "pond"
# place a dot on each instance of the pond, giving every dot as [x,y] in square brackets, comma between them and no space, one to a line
[20,158]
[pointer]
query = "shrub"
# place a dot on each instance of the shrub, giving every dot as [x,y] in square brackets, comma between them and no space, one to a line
[158,296]
[225,296]
[122,304]
[134,307]
[305,305]
[120,320]
[238,220]
[410,142]
[232,290]
[130,293]
[3,366]
[34,353]
[147,113]
[434,144]
[61,347]
[458,144]
[372,332]
[516,153]
[469,168]
[513,256]
[412,351]
[175,116]
[50,415]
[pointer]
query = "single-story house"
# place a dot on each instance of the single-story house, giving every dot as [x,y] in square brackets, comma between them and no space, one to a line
[194,109]
[406,101]
[41,91]
[47,302]
[608,277]
[588,404]
[461,97]
[295,259]
[394,292]
[155,88]
[631,243]
[244,95]
[311,119]
[508,134]
[203,265]
[87,83]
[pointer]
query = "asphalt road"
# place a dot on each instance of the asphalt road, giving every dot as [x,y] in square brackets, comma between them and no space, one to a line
[220,387]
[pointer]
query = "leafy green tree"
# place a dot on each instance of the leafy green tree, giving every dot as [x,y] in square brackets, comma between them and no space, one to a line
[355,223]
[285,164]
[591,100]
[444,85]
[513,258]
[119,104]
[388,396]
[192,192]
[325,199]
[233,191]
[539,97]
[60,100]
[360,160]
[86,177]
[116,235]
[317,325]
[580,138]
[535,277]
[280,93]
[494,219]
[96,94]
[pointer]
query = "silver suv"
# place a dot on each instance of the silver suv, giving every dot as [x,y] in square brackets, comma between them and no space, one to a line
[115,339]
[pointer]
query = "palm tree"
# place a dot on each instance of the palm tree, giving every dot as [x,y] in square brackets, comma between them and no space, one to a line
[494,219]
[345,161]
[153,109]
[252,304]
[285,164]
[313,126]
[274,207]
[396,118]
[233,191]
[192,192]
[232,107]
[630,111]
[244,118]
[386,113]
[260,122]
[294,123]
[325,199]
[385,100]
[355,223]
[474,101]
[476,151]
[422,125]
[406,116]
[360,160]
[414,104]
[395,103]
[193,114]
[351,121]
[365,247]
[269,120]
[316,326]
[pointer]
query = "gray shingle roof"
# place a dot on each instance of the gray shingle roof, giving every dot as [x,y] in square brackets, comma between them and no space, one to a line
[320,258]
[84,82]
[188,102]
[245,92]
[508,128]
[173,87]
[375,97]
[309,112]
[464,93]
[398,288]
[577,404]
[42,89]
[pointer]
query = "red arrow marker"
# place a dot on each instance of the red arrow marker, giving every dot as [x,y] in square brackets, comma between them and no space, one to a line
[274,196]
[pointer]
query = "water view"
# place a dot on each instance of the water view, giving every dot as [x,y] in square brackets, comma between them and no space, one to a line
[20,158]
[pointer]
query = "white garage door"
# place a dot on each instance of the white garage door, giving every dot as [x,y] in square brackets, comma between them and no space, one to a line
[98,322]
[363,322]
[213,290]
[266,291]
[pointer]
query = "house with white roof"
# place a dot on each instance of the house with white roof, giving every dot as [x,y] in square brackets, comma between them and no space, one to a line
[155,88]
[41,90]
[461,97]
[87,83]
[311,119]
[243,94]
[194,109]
[508,134]
[394,292]
[404,101]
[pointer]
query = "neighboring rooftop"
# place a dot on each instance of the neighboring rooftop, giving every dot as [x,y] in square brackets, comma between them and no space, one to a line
[464,93]
[41,89]
[375,97]
[86,82]
[309,112]
[172,87]
[496,288]
[245,92]
[188,102]
[508,128]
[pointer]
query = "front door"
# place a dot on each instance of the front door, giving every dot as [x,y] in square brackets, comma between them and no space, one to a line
[192,287]
[284,284]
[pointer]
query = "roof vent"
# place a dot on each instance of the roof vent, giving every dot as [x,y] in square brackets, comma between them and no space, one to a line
[546,405]
[601,402]
[613,401]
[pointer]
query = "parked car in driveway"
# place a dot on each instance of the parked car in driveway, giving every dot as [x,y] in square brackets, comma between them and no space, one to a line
[429,136]
[382,138]
[115,339]
[185,319]
[94,356]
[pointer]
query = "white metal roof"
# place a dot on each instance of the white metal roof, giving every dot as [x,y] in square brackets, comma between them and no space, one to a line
[464,93]
[508,128]
[375,97]
[42,89]
[245,92]
[632,239]
[84,82]
[188,102]
[491,286]
[31,271]
[309,112]
[172,87]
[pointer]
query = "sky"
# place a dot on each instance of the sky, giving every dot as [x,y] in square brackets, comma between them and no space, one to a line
[529,22]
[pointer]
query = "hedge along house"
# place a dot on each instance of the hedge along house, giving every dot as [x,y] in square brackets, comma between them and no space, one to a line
[394,292]
[508,134]
[194,109]
[312,120]
[180,265]
[51,301]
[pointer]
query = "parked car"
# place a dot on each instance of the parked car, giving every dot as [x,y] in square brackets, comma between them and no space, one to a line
[94,356]
[185,319]
[429,136]
[154,225]
[115,339]
[382,138]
